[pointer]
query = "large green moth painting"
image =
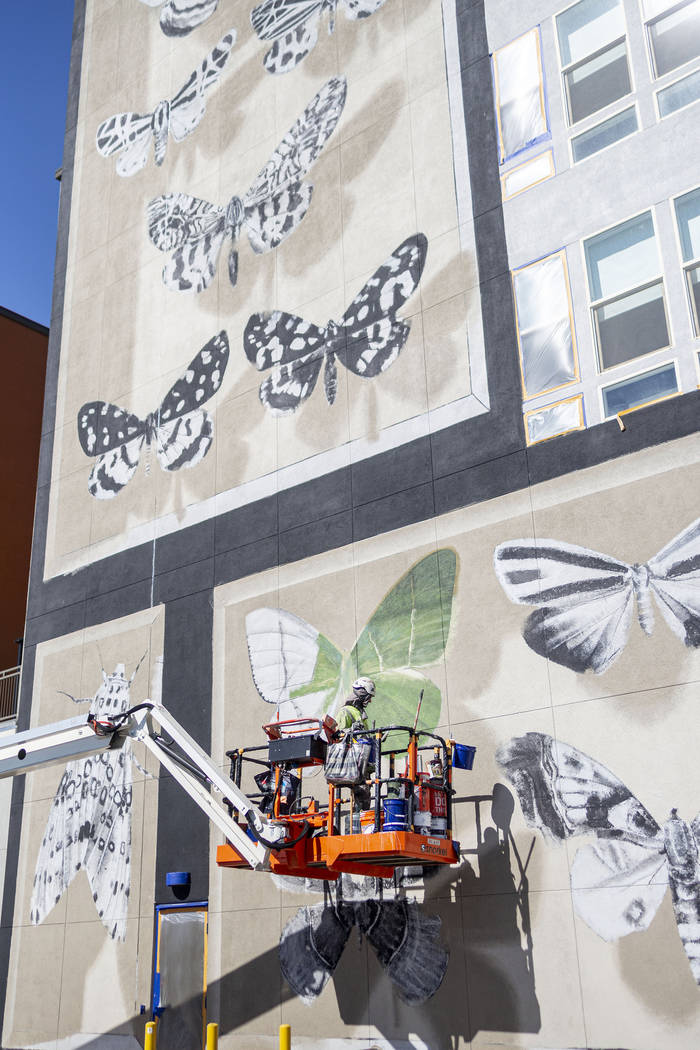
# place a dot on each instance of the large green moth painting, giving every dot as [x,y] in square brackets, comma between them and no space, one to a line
[300,671]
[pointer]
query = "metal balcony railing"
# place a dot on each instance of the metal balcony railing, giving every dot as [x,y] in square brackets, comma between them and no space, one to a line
[9,692]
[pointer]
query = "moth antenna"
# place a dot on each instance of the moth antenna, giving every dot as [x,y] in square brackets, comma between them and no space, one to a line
[75,699]
[137,666]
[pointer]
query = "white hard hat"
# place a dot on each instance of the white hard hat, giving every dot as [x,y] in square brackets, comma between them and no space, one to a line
[363,685]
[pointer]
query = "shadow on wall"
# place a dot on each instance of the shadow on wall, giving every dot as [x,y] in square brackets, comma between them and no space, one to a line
[485,915]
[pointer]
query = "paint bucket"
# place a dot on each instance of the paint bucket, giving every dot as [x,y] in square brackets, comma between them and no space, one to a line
[438,809]
[422,816]
[398,787]
[367,821]
[395,814]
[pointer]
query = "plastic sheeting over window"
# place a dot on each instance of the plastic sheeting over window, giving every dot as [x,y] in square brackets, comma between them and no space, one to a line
[522,118]
[562,418]
[547,348]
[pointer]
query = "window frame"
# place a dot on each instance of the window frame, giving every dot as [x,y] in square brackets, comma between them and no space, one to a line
[555,404]
[565,68]
[598,153]
[595,304]
[633,375]
[527,397]
[546,135]
[530,160]
[657,91]
[693,264]
[647,23]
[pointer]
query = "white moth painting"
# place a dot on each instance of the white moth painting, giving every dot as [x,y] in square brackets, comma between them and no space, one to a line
[89,825]
[181,430]
[585,601]
[180,17]
[130,134]
[272,207]
[403,937]
[619,881]
[366,341]
[294,24]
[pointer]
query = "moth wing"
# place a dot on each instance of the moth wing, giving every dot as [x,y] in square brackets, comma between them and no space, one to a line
[273,18]
[564,792]
[188,106]
[200,381]
[584,600]
[108,855]
[390,286]
[62,849]
[115,437]
[103,426]
[405,940]
[289,50]
[268,222]
[185,441]
[180,17]
[114,469]
[195,229]
[367,352]
[292,663]
[674,578]
[311,945]
[409,627]
[355,9]
[617,887]
[293,349]
[302,144]
[130,134]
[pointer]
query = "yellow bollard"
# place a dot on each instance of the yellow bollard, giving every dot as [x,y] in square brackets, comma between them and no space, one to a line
[285,1037]
[150,1041]
[212,1036]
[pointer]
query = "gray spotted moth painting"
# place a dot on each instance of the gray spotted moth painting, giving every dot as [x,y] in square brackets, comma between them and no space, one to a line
[296,177]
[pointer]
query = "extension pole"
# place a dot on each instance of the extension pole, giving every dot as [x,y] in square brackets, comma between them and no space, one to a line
[285,1037]
[150,1041]
[212,1036]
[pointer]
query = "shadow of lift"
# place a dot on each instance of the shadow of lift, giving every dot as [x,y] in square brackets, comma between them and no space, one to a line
[491,909]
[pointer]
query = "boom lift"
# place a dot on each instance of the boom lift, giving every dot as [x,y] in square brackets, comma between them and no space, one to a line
[409,822]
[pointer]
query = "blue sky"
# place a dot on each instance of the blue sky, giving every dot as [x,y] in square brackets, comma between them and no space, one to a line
[34,58]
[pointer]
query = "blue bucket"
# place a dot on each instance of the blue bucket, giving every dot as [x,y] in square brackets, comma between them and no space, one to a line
[463,756]
[395,814]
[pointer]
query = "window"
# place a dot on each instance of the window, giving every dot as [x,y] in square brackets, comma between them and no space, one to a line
[545,330]
[640,390]
[557,419]
[627,292]
[688,219]
[673,33]
[519,86]
[605,134]
[593,49]
[528,174]
[680,94]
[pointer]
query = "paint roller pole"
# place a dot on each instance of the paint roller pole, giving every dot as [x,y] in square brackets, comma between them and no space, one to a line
[212,1036]
[150,1041]
[285,1037]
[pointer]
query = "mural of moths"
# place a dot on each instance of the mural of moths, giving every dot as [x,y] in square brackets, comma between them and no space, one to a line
[366,341]
[403,937]
[180,17]
[585,600]
[618,883]
[293,25]
[299,670]
[89,825]
[195,230]
[181,429]
[130,134]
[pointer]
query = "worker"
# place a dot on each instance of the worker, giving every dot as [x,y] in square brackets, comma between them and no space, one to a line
[354,713]
[354,708]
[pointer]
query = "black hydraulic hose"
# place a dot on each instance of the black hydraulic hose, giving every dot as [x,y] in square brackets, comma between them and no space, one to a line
[276,845]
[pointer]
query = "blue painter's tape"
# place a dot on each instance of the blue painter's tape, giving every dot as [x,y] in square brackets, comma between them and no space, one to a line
[178,878]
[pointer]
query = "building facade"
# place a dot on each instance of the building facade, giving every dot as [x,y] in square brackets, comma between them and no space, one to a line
[373,352]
